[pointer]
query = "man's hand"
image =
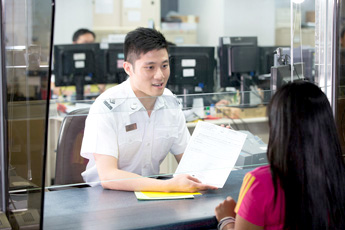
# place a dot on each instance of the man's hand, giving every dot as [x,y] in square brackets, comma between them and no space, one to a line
[186,183]
[226,208]
[113,178]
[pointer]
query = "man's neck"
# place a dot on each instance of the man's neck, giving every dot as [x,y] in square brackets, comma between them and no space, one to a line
[148,103]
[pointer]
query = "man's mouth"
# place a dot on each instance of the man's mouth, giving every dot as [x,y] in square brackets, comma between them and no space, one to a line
[158,85]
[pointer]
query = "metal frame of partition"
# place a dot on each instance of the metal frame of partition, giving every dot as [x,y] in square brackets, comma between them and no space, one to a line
[13,214]
[3,120]
[47,116]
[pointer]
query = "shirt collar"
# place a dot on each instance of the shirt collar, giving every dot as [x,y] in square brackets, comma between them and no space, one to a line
[134,103]
[160,103]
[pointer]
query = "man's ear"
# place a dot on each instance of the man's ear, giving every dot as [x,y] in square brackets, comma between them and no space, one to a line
[127,66]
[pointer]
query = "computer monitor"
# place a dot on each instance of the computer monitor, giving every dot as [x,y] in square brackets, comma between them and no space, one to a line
[192,69]
[238,56]
[266,59]
[305,55]
[112,63]
[238,60]
[82,64]
[281,75]
[308,59]
[77,64]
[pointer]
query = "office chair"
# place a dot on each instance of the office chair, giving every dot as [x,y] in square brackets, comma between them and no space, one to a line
[69,163]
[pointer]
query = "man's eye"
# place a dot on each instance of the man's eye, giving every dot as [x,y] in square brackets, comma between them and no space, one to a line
[149,67]
[165,66]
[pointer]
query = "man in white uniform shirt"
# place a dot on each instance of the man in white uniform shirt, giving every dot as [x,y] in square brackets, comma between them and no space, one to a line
[131,127]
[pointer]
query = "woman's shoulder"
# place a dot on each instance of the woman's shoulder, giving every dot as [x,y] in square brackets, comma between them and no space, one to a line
[262,170]
[261,173]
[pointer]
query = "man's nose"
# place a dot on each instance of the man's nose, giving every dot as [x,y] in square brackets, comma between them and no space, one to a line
[159,74]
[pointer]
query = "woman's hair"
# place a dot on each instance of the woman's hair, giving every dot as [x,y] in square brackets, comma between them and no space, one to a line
[305,157]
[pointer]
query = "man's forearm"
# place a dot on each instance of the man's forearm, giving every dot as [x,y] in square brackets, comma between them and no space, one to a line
[127,181]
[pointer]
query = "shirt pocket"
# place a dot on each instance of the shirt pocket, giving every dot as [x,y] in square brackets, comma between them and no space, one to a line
[129,146]
[165,136]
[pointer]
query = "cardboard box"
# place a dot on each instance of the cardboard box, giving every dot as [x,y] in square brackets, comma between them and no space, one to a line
[310,16]
[186,18]
[283,37]
[240,113]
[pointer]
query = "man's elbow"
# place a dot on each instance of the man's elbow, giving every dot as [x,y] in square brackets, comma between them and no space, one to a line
[106,182]
[110,182]
[106,185]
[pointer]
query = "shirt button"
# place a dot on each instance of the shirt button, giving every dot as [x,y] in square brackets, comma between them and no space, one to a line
[134,106]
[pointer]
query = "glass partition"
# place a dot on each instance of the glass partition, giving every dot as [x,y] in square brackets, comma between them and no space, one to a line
[285,34]
[27,45]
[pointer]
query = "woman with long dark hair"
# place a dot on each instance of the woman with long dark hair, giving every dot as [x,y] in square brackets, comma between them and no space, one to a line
[303,187]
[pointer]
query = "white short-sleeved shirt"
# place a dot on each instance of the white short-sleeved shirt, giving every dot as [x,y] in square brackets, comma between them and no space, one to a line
[118,125]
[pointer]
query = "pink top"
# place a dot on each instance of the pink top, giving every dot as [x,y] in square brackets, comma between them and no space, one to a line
[256,200]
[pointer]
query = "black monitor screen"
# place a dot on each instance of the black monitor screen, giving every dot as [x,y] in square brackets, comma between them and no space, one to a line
[300,54]
[76,61]
[266,59]
[243,59]
[112,63]
[191,69]
[306,55]
[237,56]
[280,75]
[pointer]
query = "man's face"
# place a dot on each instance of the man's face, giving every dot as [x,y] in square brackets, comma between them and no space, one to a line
[85,38]
[150,73]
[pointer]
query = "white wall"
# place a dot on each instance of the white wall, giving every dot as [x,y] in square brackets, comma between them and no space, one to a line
[211,16]
[232,18]
[217,18]
[307,5]
[71,15]
[251,18]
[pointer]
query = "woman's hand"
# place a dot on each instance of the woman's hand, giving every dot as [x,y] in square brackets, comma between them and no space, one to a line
[226,208]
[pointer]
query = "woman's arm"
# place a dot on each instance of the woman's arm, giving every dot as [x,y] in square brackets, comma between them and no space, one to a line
[226,209]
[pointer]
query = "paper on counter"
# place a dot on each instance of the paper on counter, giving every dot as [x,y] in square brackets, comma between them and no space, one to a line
[211,153]
[164,195]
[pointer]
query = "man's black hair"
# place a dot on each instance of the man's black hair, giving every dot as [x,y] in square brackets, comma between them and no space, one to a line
[81,32]
[142,40]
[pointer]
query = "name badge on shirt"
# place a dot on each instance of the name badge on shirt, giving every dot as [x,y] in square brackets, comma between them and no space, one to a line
[131,127]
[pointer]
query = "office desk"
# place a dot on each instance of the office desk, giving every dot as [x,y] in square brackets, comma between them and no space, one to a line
[96,208]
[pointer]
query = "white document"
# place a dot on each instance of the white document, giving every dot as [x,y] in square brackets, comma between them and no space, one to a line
[211,153]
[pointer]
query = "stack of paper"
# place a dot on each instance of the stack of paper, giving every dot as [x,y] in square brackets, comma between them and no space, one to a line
[211,153]
[210,156]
